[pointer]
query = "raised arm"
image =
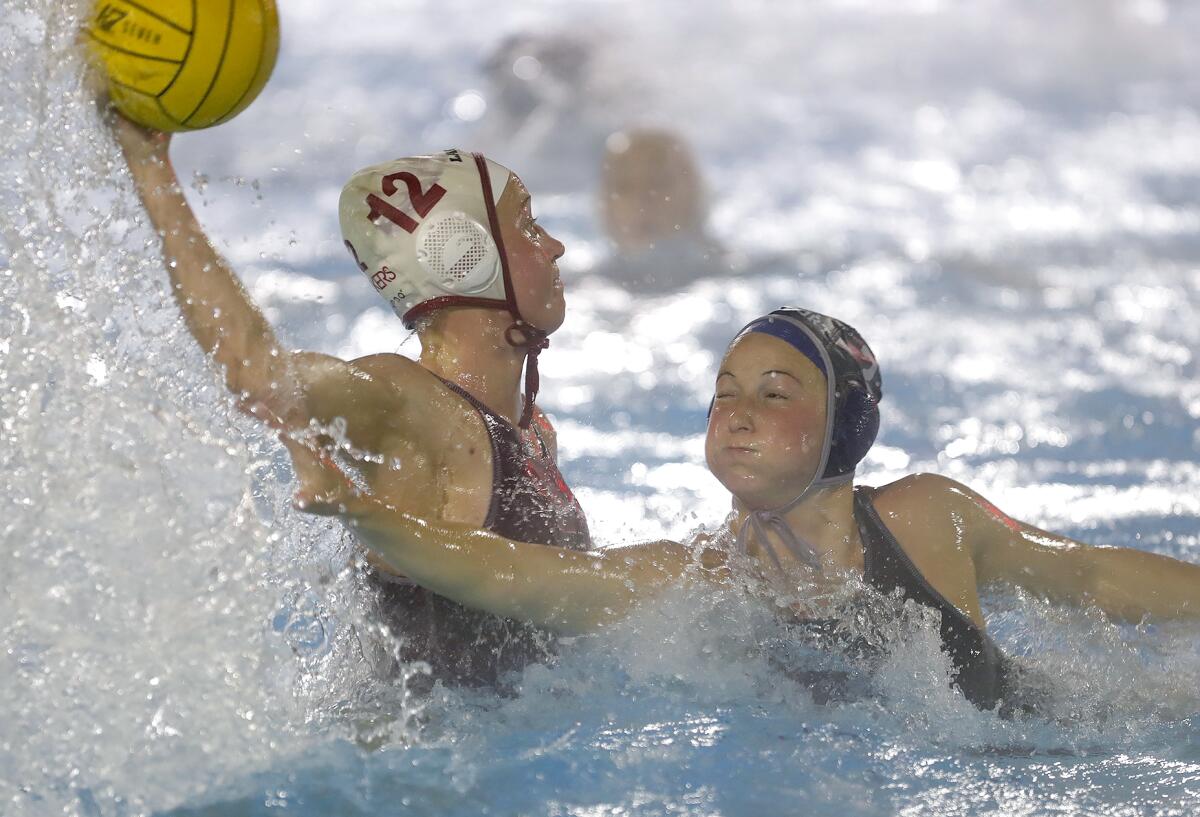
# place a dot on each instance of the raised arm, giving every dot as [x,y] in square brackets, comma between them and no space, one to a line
[218,311]
[289,390]
[1125,583]
[563,590]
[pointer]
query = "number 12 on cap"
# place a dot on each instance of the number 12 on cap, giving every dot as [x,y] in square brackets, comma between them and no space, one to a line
[422,201]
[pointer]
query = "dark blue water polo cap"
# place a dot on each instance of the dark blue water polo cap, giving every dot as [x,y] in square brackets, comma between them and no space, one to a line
[854,385]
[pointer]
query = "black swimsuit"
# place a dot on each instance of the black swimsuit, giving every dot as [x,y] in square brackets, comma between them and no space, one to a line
[530,503]
[981,670]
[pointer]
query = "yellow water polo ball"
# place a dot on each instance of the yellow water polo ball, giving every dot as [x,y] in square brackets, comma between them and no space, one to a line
[177,65]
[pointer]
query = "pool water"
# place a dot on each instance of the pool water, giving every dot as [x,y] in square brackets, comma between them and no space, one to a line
[1004,197]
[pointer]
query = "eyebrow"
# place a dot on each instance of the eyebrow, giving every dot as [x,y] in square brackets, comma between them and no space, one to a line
[727,373]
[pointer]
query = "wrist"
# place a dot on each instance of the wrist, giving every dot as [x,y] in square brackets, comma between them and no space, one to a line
[142,146]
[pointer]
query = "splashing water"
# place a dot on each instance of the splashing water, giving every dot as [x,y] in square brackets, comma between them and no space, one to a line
[1018,246]
[156,583]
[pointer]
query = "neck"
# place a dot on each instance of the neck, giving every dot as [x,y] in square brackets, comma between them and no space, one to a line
[466,346]
[825,520]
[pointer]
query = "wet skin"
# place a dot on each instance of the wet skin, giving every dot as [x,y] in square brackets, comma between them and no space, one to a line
[767,423]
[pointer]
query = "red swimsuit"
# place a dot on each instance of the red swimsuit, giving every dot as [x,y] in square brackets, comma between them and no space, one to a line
[530,503]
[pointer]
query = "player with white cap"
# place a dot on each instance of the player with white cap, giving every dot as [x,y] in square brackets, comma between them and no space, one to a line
[450,242]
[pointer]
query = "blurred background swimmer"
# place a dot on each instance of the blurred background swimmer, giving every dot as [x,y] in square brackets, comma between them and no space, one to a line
[654,208]
[564,102]
[795,409]
[550,98]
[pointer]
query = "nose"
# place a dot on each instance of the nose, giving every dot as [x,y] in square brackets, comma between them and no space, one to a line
[555,247]
[740,418]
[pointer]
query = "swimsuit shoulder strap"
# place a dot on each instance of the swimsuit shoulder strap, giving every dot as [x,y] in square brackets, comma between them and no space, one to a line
[496,428]
[980,668]
[886,566]
[475,402]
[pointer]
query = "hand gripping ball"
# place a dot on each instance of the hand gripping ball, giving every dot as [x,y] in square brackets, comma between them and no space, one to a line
[177,65]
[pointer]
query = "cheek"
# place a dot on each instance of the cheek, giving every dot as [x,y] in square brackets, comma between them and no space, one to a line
[532,274]
[796,432]
[710,442]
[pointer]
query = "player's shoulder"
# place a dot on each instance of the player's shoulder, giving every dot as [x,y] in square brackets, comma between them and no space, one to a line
[389,382]
[404,374]
[389,363]
[919,495]
[322,373]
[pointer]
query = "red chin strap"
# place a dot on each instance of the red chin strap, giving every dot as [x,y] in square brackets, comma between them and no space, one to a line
[533,340]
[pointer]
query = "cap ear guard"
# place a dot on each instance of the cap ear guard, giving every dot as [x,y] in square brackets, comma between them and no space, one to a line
[854,430]
[457,253]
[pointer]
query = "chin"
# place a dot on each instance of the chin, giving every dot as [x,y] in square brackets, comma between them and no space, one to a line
[757,492]
[745,486]
[547,317]
[549,323]
[557,315]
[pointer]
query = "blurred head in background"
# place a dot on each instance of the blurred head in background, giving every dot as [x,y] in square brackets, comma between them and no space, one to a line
[651,189]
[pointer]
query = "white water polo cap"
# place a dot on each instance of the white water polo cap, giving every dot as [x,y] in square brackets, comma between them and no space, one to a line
[424,231]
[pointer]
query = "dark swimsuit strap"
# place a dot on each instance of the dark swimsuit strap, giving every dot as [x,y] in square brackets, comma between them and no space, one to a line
[980,669]
[880,546]
[506,425]
[496,427]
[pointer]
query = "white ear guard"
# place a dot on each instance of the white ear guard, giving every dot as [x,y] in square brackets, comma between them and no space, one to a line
[457,253]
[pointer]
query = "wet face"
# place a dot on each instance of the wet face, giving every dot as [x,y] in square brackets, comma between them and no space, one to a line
[532,253]
[768,422]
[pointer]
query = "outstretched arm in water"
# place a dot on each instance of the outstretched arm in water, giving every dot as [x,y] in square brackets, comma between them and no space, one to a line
[562,590]
[1126,583]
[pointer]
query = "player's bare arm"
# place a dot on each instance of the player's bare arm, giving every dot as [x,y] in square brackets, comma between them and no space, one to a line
[289,390]
[563,590]
[1125,583]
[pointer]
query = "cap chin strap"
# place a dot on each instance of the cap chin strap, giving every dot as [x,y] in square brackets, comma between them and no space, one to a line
[773,520]
[532,339]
